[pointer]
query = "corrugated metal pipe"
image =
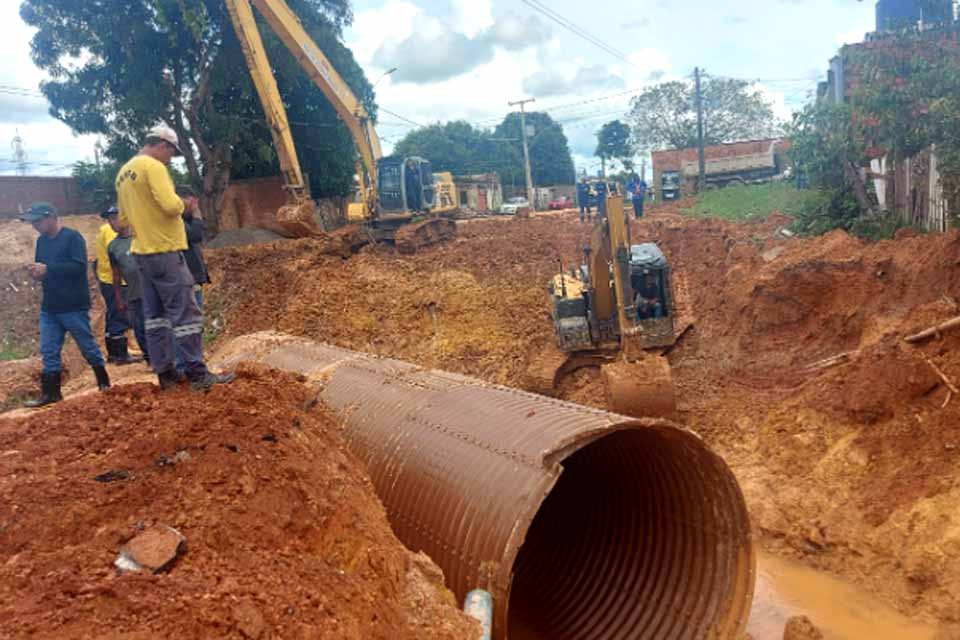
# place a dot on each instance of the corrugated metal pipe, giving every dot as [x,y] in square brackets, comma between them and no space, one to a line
[580,523]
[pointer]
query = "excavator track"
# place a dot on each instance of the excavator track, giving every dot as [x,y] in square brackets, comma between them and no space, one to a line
[411,238]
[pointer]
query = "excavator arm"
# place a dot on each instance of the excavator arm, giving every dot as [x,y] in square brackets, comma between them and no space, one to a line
[299,217]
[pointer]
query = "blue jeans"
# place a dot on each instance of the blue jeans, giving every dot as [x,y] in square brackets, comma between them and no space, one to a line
[54,328]
[181,366]
[116,323]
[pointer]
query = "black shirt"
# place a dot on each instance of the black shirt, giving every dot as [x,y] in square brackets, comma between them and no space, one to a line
[65,286]
[194,252]
[120,256]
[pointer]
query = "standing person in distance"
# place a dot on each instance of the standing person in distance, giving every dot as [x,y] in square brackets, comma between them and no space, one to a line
[194,226]
[150,205]
[129,298]
[116,323]
[60,265]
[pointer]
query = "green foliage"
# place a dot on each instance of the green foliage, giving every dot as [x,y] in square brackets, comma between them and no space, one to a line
[665,115]
[455,146]
[462,149]
[907,100]
[9,350]
[613,143]
[752,202]
[119,67]
[550,159]
[97,185]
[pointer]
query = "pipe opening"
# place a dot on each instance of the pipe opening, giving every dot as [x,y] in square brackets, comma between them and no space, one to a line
[645,535]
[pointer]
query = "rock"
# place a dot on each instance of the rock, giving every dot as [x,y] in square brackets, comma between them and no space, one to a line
[250,622]
[153,550]
[800,628]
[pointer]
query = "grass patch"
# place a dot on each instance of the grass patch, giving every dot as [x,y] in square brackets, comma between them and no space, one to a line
[11,351]
[744,203]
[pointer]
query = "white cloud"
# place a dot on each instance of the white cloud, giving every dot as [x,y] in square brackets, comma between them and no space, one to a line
[436,52]
[50,145]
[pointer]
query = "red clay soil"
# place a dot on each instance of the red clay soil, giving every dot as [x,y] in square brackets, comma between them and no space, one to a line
[850,464]
[285,537]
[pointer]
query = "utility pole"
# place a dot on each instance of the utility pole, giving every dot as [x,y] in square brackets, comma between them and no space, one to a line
[19,153]
[643,169]
[526,148]
[701,155]
[97,150]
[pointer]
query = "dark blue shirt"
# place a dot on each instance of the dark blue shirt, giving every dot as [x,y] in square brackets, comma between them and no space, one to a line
[65,286]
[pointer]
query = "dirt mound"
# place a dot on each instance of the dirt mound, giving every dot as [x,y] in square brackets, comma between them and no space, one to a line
[285,537]
[794,368]
[473,305]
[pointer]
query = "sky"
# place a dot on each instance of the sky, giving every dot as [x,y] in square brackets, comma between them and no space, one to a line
[466,59]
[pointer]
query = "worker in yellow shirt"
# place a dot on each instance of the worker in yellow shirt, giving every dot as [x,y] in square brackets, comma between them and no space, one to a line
[149,203]
[116,323]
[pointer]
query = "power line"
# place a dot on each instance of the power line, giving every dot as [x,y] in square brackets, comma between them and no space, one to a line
[536,5]
[397,115]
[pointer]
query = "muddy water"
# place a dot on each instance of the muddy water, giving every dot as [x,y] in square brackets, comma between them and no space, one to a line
[838,608]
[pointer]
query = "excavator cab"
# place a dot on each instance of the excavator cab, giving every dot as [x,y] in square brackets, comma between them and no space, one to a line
[406,186]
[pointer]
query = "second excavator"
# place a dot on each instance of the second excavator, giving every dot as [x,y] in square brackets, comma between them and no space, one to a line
[616,311]
[397,198]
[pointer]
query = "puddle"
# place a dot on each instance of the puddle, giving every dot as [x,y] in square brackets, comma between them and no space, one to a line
[841,610]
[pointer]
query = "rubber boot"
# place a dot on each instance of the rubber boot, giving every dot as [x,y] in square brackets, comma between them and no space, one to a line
[49,391]
[207,380]
[169,379]
[117,352]
[103,380]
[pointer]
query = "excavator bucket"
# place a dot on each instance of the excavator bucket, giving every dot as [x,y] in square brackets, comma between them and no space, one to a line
[640,388]
[299,220]
[411,238]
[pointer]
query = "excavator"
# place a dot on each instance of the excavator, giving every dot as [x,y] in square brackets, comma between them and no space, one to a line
[616,311]
[396,199]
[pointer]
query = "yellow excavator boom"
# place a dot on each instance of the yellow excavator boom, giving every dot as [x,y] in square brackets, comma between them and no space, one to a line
[288,28]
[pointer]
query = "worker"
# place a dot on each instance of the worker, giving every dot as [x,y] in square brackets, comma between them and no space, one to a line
[640,197]
[630,192]
[583,199]
[60,265]
[115,323]
[128,298]
[649,299]
[150,205]
[194,226]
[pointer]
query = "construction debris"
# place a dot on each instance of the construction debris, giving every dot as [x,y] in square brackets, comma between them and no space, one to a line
[154,550]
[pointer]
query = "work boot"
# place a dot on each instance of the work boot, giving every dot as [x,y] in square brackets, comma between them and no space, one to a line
[169,379]
[103,380]
[207,380]
[118,353]
[49,391]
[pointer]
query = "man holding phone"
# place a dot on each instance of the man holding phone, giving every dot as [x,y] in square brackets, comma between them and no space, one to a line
[149,204]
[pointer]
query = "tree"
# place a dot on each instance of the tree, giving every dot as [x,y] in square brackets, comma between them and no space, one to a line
[456,146]
[462,149]
[118,68]
[665,115]
[906,100]
[613,143]
[550,159]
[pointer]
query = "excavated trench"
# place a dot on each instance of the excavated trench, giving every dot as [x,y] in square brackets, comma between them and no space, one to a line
[581,523]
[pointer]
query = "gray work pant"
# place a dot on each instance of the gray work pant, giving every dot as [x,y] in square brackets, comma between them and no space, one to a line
[169,307]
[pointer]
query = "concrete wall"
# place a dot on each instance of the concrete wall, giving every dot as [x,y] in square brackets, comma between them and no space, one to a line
[17,192]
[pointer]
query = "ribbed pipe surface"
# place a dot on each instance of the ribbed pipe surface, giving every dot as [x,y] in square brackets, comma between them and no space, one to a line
[580,523]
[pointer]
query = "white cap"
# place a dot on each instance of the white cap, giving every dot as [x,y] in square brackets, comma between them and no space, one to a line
[166,134]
